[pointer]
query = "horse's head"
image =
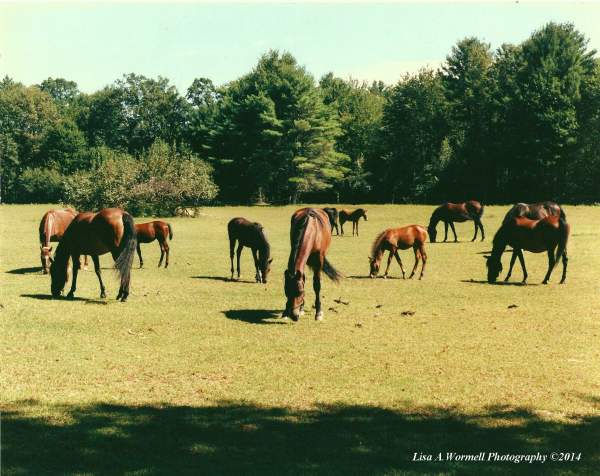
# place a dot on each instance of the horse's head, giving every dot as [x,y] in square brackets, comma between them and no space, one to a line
[46,258]
[294,291]
[374,267]
[494,267]
[264,263]
[58,275]
[431,231]
[364,214]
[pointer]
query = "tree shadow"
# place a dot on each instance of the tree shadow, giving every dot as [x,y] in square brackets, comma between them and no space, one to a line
[36,269]
[255,316]
[497,283]
[241,438]
[224,279]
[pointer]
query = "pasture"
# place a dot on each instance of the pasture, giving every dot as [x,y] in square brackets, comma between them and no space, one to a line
[196,374]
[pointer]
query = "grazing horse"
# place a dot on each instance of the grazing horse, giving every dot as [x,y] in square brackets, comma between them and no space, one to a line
[332,213]
[310,237]
[456,212]
[110,230]
[547,234]
[534,211]
[353,216]
[52,227]
[393,239]
[154,230]
[252,235]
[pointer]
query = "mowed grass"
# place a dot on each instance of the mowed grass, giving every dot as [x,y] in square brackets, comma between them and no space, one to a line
[197,374]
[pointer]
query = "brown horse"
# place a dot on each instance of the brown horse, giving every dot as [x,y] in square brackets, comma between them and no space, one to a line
[534,211]
[456,212]
[393,239]
[548,234]
[154,230]
[52,227]
[353,216]
[110,230]
[310,237]
[251,235]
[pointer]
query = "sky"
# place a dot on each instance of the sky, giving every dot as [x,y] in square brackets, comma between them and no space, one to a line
[94,44]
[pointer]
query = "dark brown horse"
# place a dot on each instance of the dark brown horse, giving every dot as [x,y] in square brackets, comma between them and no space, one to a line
[310,237]
[251,235]
[110,230]
[353,216]
[394,239]
[51,229]
[154,230]
[332,213]
[549,234]
[534,211]
[456,212]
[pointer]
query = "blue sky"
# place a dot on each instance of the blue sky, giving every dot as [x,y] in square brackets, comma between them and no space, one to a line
[94,44]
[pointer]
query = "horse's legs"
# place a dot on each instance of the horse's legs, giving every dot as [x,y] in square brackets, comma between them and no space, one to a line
[166,247]
[445,231]
[481,228]
[397,256]
[255,256]
[337,230]
[85,262]
[342,226]
[139,253]
[231,250]
[551,261]
[317,288]
[424,258]
[476,230]
[453,231]
[76,264]
[96,261]
[417,256]
[513,258]
[565,262]
[162,253]
[239,253]
[388,263]
[357,227]
[522,261]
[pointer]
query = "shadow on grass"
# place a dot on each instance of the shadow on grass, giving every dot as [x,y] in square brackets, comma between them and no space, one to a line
[34,270]
[497,283]
[48,297]
[238,438]
[255,316]
[378,277]
[224,279]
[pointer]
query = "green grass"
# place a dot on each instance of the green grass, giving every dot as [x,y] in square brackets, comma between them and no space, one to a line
[196,374]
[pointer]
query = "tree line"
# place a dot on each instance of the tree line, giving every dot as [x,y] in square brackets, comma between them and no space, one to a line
[521,123]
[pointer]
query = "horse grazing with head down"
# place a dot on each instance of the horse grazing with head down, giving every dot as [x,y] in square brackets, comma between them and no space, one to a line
[456,212]
[549,234]
[52,228]
[393,239]
[353,216]
[154,230]
[251,235]
[111,230]
[534,211]
[332,213]
[310,237]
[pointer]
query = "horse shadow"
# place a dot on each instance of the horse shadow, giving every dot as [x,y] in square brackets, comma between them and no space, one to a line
[497,283]
[224,279]
[254,316]
[49,297]
[36,269]
[378,277]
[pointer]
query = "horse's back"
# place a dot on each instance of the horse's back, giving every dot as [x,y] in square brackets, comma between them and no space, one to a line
[55,223]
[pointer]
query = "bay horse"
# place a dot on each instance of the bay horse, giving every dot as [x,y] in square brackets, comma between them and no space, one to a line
[456,212]
[51,229]
[353,216]
[110,230]
[310,237]
[154,230]
[394,239]
[251,235]
[548,234]
[534,211]
[332,213]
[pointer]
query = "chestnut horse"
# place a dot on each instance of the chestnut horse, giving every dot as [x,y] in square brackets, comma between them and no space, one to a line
[547,234]
[154,230]
[52,227]
[534,211]
[110,230]
[393,239]
[251,235]
[353,216]
[332,213]
[310,237]
[456,212]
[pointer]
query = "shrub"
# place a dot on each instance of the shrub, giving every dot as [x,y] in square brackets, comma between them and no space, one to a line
[40,186]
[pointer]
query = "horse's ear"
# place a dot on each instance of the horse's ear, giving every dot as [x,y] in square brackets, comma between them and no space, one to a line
[370,259]
[271,260]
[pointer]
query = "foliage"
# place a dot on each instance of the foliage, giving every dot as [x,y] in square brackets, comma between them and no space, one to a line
[40,186]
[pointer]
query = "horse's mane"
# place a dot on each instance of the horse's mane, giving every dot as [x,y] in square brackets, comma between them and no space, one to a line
[377,243]
[265,246]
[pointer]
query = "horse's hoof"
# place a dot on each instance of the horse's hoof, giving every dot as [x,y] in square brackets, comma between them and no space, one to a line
[385,276]
[545,282]
[319,316]
[70,296]
[102,295]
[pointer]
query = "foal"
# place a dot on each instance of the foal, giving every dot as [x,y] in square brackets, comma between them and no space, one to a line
[154,230]
[393,239]
[353,216]
[456,212]
[252,235]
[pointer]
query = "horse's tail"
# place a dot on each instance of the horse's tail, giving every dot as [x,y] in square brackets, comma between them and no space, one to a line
[562,213]
[563,237]
[170,231]
[128,244]
[331,272]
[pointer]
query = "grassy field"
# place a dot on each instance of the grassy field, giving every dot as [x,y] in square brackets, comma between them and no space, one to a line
[196,374]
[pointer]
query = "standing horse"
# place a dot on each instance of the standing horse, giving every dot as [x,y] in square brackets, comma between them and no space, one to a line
[52,227]
[110,230]
[353,216]
[252,235]
[310,237]
[154,230]
[534,211]
[456,212]
[332,213]
[393,239]
[547,234]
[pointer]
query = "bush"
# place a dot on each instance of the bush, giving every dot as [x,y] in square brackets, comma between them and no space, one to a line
[40,186]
